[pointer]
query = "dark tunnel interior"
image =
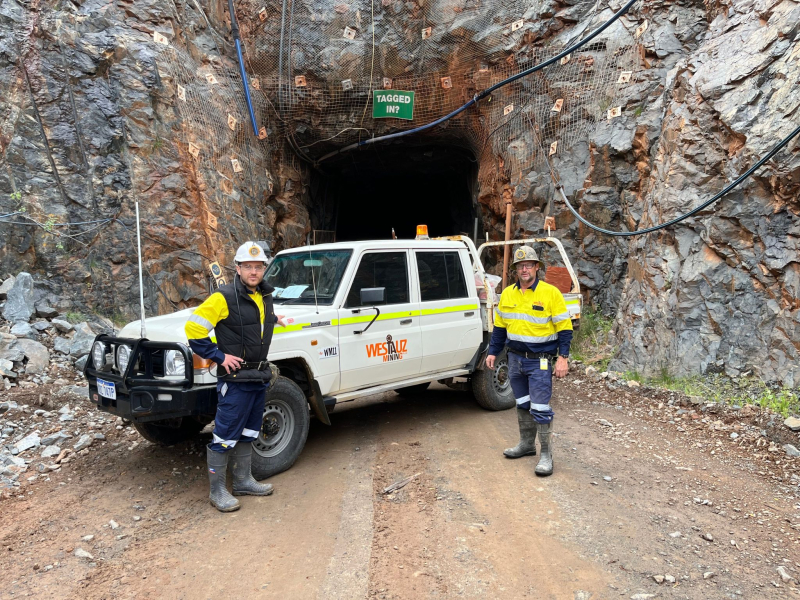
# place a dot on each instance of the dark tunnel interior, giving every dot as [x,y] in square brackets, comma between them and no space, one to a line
[365,193]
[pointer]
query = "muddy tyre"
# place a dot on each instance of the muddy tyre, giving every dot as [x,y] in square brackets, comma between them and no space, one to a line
[284,429]
[413,390]
[169,433]
[492,387]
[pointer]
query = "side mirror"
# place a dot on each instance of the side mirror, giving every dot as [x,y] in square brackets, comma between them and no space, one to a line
[370,296]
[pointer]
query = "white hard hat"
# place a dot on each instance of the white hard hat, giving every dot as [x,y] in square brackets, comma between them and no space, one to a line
[250,251]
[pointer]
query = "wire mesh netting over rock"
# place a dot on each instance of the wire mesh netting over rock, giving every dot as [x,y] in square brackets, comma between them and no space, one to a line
[317,65]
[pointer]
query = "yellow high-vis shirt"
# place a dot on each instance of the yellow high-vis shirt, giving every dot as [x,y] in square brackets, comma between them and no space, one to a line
[532,316]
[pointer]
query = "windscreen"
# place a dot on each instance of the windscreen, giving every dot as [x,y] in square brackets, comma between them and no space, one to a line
[297,275]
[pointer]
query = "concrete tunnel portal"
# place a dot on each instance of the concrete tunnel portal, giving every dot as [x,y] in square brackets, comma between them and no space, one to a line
[363,194]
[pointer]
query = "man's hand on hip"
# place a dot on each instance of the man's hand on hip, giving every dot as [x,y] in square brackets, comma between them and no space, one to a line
[490,361]
[231,362]
[562,367]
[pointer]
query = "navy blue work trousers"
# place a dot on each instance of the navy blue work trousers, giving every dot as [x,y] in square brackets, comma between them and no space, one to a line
[532,384]
[240,410]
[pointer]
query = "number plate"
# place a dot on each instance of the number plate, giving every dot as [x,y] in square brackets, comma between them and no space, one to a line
[107,389]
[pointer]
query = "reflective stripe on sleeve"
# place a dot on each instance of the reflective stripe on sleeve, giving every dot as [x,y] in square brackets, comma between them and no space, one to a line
[524,317]
[201,321]
[532,339]
[561,317]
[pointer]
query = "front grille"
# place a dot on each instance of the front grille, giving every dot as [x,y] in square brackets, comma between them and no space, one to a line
[157,356]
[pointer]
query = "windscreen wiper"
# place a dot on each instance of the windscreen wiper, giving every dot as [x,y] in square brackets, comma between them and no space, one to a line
[291,300]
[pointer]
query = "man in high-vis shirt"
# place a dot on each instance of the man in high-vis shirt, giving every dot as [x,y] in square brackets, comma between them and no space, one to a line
[242,317]
[533,322]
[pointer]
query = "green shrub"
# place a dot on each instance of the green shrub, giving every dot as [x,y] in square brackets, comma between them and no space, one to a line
[589,343]
[75,317]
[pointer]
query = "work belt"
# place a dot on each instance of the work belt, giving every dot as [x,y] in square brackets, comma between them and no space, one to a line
[531,355]
[258,366]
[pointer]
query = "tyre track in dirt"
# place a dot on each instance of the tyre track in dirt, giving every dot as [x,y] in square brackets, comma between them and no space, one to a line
[472,524]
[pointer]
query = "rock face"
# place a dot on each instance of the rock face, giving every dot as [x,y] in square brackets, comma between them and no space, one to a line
[37,354]
[19,301]
[23,329]
[720,291]
[6,286]
[9,348]
[89,125]
[81,343]
[105,113]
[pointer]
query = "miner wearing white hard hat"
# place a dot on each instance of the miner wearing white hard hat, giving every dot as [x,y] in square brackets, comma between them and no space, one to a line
[533,323]
[242,317]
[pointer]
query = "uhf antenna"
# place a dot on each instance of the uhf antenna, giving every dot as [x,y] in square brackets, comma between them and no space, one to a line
[141,288]
[313,281]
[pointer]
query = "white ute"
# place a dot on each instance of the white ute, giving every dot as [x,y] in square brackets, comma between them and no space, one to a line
[362,318]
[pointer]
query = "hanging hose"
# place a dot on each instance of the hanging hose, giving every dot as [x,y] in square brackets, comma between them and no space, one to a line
[237,40]
[692,212]
[486,92]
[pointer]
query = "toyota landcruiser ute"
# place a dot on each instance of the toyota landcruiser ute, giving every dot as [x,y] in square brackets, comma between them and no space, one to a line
[360,318]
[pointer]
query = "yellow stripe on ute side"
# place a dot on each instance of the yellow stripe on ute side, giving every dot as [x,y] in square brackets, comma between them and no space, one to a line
[383,317]
[448,309]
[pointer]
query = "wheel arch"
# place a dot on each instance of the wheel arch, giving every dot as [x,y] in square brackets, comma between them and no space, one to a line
[298,370]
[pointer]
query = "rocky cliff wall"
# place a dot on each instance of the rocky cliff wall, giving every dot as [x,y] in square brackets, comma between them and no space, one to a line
[716,90]
[97,114]
[91,122]
[718,292]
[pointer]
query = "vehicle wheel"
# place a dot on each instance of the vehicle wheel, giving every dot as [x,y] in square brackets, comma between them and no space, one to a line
[284,429]
[492,387]
[170,432]
[413,390]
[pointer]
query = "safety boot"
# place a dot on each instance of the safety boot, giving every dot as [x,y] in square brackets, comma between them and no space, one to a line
[527,436]
[244,484]
[545,466]
[217,474]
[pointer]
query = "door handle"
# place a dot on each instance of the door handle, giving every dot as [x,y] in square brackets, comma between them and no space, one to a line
[470,313]
[405,322]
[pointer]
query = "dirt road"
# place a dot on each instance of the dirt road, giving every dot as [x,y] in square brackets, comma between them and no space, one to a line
[642,493]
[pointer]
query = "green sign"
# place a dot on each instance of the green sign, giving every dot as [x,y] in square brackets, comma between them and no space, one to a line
[392,104]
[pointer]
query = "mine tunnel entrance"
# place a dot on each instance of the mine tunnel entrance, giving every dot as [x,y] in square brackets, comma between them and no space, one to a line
[365,193]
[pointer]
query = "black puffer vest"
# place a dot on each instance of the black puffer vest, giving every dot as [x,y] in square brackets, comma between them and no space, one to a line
[239,333]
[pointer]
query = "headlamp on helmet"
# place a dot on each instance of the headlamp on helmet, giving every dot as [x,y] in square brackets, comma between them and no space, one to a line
[526,253]
[250,252]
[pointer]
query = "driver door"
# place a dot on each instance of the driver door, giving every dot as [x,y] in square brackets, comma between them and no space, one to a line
[391,348]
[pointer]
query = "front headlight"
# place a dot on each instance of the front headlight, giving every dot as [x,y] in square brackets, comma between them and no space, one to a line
[99,355]
[174,363]
[123,357]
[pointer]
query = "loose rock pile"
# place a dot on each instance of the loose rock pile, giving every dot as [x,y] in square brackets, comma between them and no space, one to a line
[44,414]
[37,442]
[37,344]
[765,434]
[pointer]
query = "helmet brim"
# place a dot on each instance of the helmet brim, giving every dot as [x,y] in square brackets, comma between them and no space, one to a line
[541,262]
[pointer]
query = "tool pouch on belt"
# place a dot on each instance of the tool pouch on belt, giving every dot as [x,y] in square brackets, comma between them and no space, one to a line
[251,372]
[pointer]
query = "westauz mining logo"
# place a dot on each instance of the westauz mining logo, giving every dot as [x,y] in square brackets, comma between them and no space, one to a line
[390,349]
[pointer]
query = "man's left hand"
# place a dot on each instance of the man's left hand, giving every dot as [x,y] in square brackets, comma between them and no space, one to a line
[281,322]
[562,367]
